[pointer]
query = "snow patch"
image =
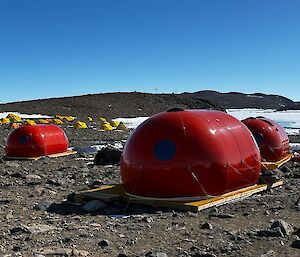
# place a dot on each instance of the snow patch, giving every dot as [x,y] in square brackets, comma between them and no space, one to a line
[295,147]
[290,119]
[25,116]
[132,122]
[255,96]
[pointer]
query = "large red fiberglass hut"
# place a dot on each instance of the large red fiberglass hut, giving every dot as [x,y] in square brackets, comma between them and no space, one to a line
[36,140]
[189,155]
[271,138]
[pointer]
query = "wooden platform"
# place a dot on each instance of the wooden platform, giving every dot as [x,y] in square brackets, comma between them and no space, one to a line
[103,193]
[275,165]
[69,152]
[116,192]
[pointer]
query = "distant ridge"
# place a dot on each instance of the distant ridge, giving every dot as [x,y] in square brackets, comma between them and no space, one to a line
[241,100]
[132,104]
[296,106]
[109,105]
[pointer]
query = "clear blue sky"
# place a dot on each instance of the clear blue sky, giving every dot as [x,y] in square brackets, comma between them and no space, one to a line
[51,48]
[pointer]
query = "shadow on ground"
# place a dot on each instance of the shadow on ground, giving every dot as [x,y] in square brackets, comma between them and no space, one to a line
[117,208]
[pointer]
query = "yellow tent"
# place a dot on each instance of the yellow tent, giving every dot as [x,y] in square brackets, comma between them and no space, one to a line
[5,120]
[106,126]
[114,123]
[121,126]
[57,121]
[14,118]
[64,117]
[43,121]
[80,125]
[30,122]
[69,118]
[57,116]
[102,119]
[14,125]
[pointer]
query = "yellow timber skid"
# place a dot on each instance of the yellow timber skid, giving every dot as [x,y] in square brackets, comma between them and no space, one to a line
[116,192]
[68,152]
[112,193]
[275,165]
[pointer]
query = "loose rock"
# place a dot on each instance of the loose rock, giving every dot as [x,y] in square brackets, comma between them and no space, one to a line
[108,155]
[221,215]
[93,206]
[79,253]
[296,244]
[19,230]
[274,232]
[12,164]
[42,206]
[285,228]
[268,254]
[203,255]
[148,219]
[156,254]
[57,251]
[103,243]
[206,225]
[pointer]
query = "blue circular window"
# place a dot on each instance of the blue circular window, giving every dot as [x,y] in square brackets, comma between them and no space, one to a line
[23,140]
[164,150]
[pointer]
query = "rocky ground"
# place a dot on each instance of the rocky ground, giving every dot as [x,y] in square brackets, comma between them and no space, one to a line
[35,219]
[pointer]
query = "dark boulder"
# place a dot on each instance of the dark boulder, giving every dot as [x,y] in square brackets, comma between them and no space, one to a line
[108,155]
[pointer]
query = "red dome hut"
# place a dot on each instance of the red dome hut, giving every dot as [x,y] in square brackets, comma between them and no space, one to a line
[271,138]
[186,155]
[36,140]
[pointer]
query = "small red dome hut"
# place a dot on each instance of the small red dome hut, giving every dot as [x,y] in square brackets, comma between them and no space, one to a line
[36,140]
[189,155]
[271,138]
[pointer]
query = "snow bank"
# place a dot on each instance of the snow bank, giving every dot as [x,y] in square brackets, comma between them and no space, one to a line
[25,116]
[290,120]
[132,122]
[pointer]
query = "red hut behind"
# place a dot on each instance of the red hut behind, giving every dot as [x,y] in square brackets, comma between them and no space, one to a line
[189,155]
[270,137]
[36,140]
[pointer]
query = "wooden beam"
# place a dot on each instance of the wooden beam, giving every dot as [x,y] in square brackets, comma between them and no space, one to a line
[104,193]
[275,165]
[116,192]
[209,202]
[68,152]
[22,158]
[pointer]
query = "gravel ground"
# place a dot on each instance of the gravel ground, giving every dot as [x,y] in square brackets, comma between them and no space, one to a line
[35,219]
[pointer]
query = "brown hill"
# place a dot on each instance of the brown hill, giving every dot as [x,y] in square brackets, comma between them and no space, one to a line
[295,106]
[110,105]
[240,100]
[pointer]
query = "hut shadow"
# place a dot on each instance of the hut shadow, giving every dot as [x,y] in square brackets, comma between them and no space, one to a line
[117,209]
[65,208]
